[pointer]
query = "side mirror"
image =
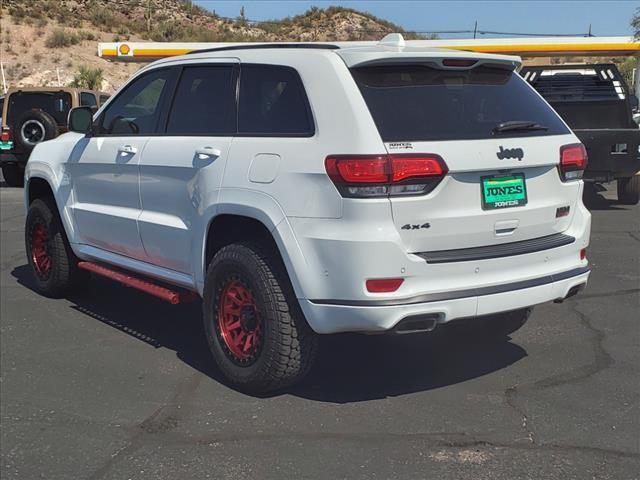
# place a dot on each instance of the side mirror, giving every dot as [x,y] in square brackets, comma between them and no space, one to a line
[634,102]
[80,119]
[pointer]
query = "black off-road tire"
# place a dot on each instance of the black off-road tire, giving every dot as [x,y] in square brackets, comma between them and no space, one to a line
[39,120]
[13,174]
[288,345]
[629,190]
[63,275]
[489,327]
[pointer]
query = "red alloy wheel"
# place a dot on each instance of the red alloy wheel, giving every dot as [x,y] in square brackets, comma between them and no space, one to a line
[39,250]
[239,321]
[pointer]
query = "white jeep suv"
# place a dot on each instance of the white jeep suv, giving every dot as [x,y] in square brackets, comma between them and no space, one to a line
[305,189]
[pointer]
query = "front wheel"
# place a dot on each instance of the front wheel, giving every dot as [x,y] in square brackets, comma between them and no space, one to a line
[254,326]
[629,190]
[52,262]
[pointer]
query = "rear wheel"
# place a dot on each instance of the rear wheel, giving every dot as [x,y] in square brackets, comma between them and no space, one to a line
[254,326]
[499,325]
[629,190]
[48,251]
[13,174]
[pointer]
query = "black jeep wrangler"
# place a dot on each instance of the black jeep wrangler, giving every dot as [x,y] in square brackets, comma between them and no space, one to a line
[596,103]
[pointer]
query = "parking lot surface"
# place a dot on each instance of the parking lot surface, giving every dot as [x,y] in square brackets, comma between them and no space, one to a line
[114,384]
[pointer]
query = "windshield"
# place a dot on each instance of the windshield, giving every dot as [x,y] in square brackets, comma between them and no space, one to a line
[419,103]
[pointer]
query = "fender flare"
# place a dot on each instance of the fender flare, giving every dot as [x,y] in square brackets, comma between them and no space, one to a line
[268,212]
[43,171]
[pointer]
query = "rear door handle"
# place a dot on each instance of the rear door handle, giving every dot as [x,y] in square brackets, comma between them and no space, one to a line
[128,150]
[208,152]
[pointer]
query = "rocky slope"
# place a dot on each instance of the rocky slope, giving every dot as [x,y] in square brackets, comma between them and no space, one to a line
[44,42]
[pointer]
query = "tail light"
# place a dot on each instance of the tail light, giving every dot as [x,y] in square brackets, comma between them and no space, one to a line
[366,176]
[5,136]
[573,161]
[458,62]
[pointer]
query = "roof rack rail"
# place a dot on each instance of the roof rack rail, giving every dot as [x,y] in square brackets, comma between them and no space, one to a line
[249,46]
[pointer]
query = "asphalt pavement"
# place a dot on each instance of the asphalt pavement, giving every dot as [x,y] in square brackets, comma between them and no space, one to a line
[114,384]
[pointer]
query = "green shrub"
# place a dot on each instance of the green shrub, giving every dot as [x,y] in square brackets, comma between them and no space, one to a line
[17,12]
[100,16]
[88,77]
[61,38]
[84,35]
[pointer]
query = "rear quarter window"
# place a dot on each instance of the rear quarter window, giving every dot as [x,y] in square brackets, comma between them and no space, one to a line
[88,99]
[421,103]
[273,102]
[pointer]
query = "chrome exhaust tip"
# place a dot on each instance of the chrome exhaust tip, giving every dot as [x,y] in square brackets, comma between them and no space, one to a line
[417,324]
[572,292]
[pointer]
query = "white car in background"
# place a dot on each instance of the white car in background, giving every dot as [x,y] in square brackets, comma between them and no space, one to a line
[305,189]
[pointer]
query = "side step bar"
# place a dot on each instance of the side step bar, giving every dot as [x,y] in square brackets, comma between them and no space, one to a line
[171,296]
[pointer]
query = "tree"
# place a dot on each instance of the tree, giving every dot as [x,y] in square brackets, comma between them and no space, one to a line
[635,24]
[88,77]
[242,18]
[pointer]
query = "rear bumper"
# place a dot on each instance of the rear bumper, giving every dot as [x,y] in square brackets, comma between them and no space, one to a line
[337,261]
[604,164]
[13,158]
[381,315]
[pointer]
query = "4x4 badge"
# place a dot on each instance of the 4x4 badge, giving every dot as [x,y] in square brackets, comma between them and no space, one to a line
[510,153]
[409,226]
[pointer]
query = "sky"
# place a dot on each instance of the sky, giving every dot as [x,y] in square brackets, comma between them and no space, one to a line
[607,17]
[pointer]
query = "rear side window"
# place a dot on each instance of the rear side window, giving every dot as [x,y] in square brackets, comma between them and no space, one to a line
[88,99]
[136,110]
[104,98]
[420,103]
[273,102]
[204,103]
[56,104]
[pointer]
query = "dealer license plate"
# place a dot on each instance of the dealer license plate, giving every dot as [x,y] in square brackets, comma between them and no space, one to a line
[503,191]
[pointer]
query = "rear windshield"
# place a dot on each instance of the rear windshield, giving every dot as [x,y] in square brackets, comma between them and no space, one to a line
[420,103]
[56,104]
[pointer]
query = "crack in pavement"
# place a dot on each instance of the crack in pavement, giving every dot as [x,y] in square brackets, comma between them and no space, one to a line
[163,420]
[629,291]
[601,362]
[432,439]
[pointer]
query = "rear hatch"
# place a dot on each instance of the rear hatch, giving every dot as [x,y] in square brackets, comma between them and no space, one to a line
[499,140]
[19,103]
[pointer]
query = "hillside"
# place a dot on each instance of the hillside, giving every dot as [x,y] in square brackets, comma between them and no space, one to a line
[46,41]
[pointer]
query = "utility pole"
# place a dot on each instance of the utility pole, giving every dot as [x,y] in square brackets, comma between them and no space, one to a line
[475,29]
[4,81]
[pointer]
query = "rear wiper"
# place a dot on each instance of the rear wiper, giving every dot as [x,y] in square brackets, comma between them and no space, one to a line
[516,125]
